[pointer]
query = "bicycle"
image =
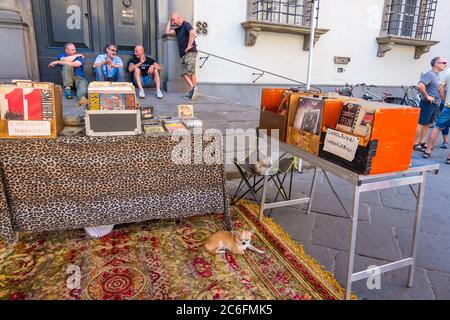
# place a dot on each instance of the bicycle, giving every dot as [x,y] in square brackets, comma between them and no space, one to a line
[407,101]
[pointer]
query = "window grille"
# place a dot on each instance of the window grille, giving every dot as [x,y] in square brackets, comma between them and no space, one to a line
[290,12]
[410,18]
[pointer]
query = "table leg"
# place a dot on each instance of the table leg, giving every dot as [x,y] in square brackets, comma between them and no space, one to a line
[263,198]
[353,233]
[313,190]
[419,210]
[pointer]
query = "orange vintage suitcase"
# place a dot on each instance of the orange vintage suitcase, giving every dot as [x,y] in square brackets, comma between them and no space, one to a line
[385,136]
[30,110]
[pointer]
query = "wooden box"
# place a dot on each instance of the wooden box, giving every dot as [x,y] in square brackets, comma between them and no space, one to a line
[277,107]
[378,137]
[30,110]
[112,96]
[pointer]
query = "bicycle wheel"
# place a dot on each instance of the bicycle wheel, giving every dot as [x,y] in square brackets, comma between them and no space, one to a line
[411,103]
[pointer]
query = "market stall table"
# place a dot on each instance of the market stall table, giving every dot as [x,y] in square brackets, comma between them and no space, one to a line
[361,183]
[79,182]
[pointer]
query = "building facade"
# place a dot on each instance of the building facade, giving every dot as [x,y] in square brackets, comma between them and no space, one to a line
[244,44]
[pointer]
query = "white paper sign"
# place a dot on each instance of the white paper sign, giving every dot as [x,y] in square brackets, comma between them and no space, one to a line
[29,128]
[341,144]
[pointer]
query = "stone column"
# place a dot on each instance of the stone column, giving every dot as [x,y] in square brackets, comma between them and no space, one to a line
[17,37]
[169,46]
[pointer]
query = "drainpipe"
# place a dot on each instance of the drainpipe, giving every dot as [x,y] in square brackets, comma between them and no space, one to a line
[314,9]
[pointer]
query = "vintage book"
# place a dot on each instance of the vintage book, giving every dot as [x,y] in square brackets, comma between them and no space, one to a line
[356,119]
[148,113]
[308,116]
[174,126]
[154,128]
[185,111]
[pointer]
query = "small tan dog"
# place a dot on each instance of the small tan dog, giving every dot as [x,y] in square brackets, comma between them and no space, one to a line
[236,242]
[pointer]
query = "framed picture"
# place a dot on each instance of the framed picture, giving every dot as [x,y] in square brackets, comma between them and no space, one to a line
[148,113]
[309,115]
[186,111]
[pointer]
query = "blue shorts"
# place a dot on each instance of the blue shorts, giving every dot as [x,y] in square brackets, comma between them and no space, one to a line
[147,81]
[428,113]
[444,119]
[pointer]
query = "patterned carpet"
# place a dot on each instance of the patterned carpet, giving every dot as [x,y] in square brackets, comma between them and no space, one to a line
[163,260]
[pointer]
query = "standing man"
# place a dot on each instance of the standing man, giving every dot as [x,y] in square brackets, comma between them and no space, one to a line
[188,52]
[72,72]
[443,121]
[109,66]
[429,105]
[145,72]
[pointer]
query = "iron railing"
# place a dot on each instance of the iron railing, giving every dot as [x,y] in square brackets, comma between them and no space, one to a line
[261,73]
[410,18]
[290,12]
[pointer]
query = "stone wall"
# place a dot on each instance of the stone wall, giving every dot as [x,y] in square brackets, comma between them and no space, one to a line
[17,38]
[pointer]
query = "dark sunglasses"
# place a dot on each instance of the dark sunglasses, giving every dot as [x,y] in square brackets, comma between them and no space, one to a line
[444,63]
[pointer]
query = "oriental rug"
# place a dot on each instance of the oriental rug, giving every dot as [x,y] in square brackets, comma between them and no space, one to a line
[163,260]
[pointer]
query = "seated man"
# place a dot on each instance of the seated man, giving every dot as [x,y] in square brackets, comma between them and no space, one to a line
[72,73]
[109,66]
[145,72]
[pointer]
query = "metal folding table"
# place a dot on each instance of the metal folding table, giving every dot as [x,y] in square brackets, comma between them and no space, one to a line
[361,184]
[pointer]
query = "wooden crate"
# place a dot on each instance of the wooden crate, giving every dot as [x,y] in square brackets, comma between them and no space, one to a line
[112,96]
[30,110]
[277,109]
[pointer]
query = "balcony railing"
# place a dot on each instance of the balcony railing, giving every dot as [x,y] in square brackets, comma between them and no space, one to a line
[289,12]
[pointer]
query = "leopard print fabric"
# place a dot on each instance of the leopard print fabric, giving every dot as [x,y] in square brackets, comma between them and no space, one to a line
[77,182]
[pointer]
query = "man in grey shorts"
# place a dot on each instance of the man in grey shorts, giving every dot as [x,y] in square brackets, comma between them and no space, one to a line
[188,51]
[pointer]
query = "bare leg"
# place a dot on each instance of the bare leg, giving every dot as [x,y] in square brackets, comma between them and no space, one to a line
[423,136]
[188,81]
[157,79]
[194,80]
[420,134]
[138,77]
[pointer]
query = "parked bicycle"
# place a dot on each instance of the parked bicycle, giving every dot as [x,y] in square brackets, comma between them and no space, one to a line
[369,95]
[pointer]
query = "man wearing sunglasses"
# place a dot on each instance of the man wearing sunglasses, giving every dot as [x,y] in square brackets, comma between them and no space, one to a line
[429,105]
[109,66]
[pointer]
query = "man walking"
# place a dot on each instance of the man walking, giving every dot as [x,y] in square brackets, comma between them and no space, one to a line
[185,34]
[443,121]
[429,105]
[72,72]
[109,66]
[145,72]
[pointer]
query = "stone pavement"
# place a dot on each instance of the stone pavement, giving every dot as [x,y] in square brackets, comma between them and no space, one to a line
[386,221]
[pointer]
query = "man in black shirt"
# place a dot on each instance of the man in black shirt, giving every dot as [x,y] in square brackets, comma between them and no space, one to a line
[145,72]
[188,51]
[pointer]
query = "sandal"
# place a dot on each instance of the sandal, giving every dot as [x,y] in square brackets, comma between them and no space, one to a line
[426,155]
[420,147]
[448,161]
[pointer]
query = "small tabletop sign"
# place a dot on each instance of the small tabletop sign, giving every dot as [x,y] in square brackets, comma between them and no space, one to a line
[29,128]
[341,144]
[186,111]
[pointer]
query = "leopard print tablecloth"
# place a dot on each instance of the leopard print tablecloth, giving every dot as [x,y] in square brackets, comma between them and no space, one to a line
[76,182]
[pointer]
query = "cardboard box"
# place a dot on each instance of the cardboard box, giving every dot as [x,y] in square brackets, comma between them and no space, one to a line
[30,110]
[385,136]
[112,96]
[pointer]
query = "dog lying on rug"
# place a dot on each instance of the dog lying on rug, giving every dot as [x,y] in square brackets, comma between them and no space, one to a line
[235,241]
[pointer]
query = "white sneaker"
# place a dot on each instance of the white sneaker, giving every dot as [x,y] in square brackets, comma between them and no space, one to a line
[141,93]
[195,94]
[159,94]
